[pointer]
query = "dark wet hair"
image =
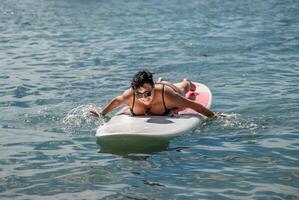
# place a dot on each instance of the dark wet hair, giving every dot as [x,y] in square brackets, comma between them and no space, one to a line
[141,78]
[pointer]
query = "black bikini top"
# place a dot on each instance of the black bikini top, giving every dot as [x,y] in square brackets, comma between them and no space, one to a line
[166,111]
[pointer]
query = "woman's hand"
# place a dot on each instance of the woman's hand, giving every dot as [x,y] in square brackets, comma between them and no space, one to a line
[95,111]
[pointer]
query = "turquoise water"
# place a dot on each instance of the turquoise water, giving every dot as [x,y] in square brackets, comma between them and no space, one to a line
[59,57]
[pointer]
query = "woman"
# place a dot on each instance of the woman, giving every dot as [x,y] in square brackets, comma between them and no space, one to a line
[148,98]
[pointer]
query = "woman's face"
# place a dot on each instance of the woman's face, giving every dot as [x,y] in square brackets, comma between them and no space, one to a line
[145,94]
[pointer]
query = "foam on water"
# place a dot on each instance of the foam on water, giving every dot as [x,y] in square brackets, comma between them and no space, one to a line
[80,118]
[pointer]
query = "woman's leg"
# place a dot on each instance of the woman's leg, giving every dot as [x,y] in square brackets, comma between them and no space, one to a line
[182,87]
[186,85]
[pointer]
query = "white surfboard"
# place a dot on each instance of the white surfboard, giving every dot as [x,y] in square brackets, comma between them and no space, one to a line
[124,125]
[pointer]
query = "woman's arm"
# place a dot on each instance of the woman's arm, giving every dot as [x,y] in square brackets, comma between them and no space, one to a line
[114,103]
[176,100]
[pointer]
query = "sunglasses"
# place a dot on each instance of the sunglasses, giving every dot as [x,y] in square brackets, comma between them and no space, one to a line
[140,95]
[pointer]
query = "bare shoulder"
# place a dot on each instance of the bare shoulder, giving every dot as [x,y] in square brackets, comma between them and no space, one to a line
[172,98]
[169,91]
[127,94]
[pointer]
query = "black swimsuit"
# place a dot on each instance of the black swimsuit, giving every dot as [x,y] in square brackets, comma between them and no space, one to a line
[166,111]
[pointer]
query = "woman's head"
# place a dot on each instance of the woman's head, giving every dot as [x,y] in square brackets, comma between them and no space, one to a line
[143,86]
[140,78]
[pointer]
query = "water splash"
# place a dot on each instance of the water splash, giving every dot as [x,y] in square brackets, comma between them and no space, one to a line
[232,122]
[80,119]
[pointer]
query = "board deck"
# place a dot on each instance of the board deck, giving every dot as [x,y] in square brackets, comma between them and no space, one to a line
[124,125]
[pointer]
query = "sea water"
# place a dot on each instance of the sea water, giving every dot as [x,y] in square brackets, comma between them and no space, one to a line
[58,58]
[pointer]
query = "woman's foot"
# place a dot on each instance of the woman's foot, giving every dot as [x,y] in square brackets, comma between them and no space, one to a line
[192,87]
[160,79]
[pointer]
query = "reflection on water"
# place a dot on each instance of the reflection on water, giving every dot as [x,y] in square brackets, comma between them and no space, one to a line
[128,145]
